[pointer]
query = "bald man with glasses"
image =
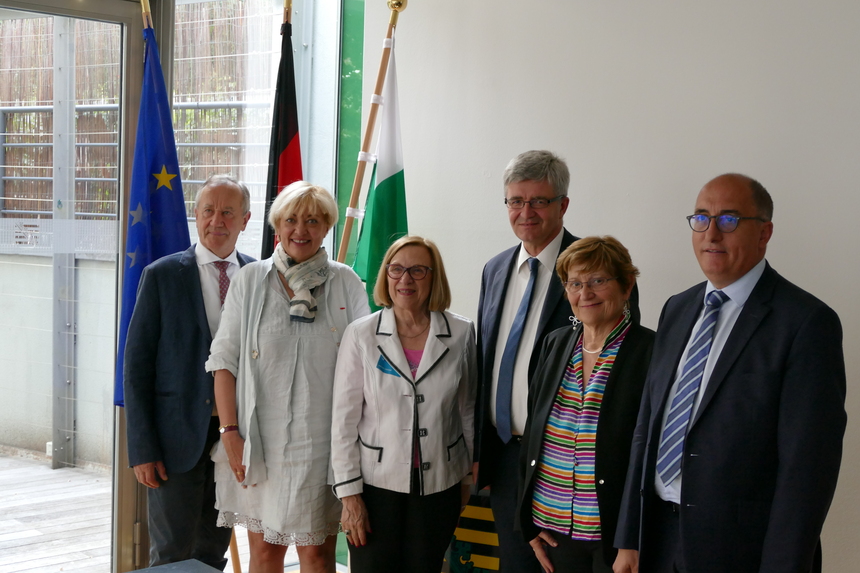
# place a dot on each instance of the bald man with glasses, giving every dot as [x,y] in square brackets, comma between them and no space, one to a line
[738,445]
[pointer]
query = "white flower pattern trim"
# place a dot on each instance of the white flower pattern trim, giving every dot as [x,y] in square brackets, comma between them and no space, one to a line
[229,519]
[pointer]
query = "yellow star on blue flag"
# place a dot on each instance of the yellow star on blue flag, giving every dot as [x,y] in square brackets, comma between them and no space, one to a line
[158,226]
[164,178]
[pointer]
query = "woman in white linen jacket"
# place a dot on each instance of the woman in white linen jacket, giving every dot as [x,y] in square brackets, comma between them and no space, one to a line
[403,417]
[274,361]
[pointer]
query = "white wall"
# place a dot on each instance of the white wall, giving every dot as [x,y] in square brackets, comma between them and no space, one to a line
[647,102]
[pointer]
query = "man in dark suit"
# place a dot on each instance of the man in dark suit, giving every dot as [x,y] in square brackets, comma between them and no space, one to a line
[535,185]
[169,397]
[739,439]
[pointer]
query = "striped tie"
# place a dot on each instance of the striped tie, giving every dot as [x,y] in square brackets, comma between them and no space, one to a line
[672,443]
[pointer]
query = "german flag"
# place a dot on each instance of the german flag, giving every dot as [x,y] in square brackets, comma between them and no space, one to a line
[475,547]
[285,158]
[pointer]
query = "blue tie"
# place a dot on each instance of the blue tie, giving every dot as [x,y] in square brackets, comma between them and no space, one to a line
[672,443]
[509,357]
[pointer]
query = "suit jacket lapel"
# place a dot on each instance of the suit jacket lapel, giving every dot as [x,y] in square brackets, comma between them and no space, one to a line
[191,281]
[389,344]
[497,290]
[555,293]
[436,346]
[755,310]
[679,332]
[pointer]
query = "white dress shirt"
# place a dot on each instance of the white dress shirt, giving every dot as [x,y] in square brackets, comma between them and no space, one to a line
[738,293]
[210,278]
[517,284]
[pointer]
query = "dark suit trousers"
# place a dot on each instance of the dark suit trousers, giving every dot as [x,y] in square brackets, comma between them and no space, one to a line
[182,515]
[515,554]
[661,540]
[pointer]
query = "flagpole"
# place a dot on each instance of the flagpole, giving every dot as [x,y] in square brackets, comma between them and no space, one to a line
[147,14]
[396,6]
[288,7]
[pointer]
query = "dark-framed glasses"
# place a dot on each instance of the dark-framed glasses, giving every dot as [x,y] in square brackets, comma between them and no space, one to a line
[417,272]
[596,284]
[725,223]
[539,203]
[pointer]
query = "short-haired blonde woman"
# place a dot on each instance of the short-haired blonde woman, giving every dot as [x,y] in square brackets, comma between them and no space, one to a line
[274,359]
[404,403]
[583,404]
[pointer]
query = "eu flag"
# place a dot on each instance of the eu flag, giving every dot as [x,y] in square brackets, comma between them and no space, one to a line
[157,223]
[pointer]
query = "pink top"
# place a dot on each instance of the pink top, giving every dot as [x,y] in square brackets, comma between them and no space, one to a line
[413,357]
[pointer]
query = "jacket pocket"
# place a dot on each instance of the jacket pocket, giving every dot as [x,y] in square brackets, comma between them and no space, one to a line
[371,454]
[457,449]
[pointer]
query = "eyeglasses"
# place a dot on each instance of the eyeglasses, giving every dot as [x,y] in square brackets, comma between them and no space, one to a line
[417,272]
[725,223]
[540,203]
[596,285]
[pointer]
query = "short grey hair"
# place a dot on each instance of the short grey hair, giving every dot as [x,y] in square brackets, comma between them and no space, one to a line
[539,165]
[300,196]
[218,180]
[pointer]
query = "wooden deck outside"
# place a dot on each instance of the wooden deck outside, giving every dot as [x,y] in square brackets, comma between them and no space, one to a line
[60,520]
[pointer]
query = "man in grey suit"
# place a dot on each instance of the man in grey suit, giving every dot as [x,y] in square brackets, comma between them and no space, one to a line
[739,439]
[169,397]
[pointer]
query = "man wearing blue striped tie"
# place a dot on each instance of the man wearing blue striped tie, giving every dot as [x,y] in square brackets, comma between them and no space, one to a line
[739,440]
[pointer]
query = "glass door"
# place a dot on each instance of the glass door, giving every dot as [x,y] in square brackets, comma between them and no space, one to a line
[63,100]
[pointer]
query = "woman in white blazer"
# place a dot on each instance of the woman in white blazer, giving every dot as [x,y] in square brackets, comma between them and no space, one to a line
[403,417]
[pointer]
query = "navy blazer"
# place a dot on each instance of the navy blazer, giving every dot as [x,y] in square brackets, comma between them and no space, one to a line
[615,425]
[168,393]
[762,453]
[555,314]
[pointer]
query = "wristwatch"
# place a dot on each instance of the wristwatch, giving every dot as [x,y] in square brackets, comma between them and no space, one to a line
[228,428]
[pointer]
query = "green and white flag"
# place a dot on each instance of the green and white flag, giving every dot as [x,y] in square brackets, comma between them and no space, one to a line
[385,210]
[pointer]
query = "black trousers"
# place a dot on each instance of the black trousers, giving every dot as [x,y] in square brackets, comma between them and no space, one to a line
[408,532]
[574,556]
[661,540]
[182,514]
[515,554]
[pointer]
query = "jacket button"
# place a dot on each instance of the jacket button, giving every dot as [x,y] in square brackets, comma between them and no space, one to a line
[333,329]
[254,354]
[600,482]
[208,401]
[419,398]
[425,466]
[533,463]
[422,432]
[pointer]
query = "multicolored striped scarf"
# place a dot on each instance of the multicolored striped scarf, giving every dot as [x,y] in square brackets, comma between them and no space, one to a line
[565,499]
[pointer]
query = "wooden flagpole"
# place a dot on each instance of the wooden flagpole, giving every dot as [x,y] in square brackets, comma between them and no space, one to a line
[147,14]
[288,7]
[396,7]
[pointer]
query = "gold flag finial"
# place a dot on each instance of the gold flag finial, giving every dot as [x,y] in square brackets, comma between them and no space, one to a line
[396,7]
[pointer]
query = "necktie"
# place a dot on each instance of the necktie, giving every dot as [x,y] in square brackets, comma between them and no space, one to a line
[223,279]
[509,357]
[672,443]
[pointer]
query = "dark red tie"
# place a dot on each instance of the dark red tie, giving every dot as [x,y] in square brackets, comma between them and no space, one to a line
[223,279]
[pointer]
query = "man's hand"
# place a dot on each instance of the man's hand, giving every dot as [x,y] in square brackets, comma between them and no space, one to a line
[465,495]
[626,562]
[149,473]
[538,545]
